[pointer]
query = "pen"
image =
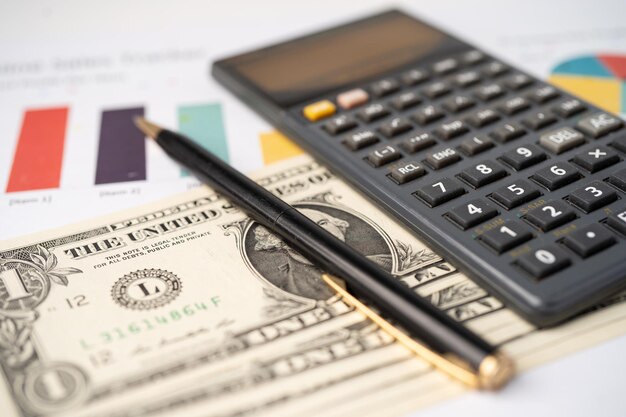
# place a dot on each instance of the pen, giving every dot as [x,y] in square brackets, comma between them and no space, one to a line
[441,341]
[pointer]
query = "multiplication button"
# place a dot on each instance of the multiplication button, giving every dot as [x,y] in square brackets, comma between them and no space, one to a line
[545,261]
[595,159]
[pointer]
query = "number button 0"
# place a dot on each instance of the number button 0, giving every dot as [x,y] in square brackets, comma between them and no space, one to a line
[557,175]
[545,261]
[508,236]
[472,213]
[551,215]
[593,196]
[438,193]
[515,194]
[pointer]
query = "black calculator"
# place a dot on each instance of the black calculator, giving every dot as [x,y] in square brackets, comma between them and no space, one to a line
[519,184]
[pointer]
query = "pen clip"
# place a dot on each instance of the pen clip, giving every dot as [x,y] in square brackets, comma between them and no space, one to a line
[497,372]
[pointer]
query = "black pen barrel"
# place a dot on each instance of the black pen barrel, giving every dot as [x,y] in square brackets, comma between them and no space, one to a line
[364,277]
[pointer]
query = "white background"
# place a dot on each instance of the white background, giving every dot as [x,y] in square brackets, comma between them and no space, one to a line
[534,35]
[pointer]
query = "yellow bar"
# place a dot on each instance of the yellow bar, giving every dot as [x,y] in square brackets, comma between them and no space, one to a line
[275,147]
[319,110]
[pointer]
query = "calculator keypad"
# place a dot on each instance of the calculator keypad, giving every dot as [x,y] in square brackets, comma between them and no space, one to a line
[496,155]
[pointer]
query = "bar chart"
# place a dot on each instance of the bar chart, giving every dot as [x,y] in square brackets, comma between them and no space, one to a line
[121,148]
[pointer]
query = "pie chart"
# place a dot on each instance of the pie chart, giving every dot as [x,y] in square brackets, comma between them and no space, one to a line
[599,79]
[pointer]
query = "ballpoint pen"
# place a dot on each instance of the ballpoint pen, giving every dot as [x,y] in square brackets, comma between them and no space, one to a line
[426,331]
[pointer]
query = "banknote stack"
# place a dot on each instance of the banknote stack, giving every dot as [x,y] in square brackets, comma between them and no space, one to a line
[188,308]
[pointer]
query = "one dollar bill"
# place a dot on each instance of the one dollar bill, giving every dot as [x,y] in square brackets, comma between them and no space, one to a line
[187,307]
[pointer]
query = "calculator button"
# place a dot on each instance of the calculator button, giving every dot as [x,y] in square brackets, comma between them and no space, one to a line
[436,89]
[483,118]
[523,156]
[372,112]
[385,87]
[472,213]
[618,221]
[507,236]
[476,144]
[593,196]
[543,94]
[495,68]
[569,107]
[589,240]
[618,179]
[383,156]
[319,110]
[415,76]
[427,114]
[515,194]
[599,124]
[514,105]
[489,91]
[438,193]
[406,100]
[539,120]
[353,98]
[595,159]
[562,139]
[458,103]
[473,57]
[360,140]
[620,143]
[557,175]
[467,78]
[445,66]
[395,126]
[508,132]
[407,172]
[340,124]
[545,261]
[518,81]
[552,214]
[451,129]
[418,142]
[443,158]
[483,173]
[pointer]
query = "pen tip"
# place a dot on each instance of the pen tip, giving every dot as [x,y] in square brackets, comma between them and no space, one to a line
[149,129]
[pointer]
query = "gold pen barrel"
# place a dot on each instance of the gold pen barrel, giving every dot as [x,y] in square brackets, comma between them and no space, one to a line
[494,371]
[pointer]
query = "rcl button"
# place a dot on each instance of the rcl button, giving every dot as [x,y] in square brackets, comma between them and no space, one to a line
[407,172]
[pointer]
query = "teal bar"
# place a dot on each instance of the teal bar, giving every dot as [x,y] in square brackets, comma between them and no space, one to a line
[204,124]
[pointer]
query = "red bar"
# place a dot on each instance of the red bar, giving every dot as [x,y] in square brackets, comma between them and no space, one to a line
[39,153]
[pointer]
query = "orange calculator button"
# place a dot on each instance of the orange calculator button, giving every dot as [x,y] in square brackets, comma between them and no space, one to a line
[319,110]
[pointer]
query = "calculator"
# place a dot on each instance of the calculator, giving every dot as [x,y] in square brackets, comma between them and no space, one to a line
[519,184]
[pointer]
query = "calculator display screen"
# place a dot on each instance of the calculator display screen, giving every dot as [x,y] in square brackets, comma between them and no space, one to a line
[295,71]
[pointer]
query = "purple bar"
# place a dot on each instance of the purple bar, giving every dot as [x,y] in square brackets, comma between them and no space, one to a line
[122,148]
